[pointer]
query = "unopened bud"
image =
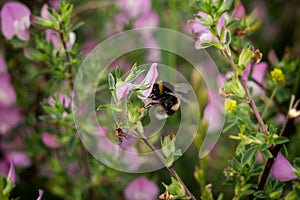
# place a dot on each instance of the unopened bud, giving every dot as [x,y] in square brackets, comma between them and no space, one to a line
[257,56]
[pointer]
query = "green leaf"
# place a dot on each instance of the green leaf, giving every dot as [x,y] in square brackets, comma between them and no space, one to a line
[201,6]
[111,82]
[276,194]
[249,156]
[223,8]
[117,73]
[281,140]
[218,45]
[176,188]
[228,38]
[244,59]
[261,194]
[169,160]
[220,197]
[76,26]
[231,22]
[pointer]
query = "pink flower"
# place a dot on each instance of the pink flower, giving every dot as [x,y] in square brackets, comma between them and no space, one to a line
[41,193]
[203,33]
[19,158]
[53,36]
[134,8]
[141,188]
[15,20]
[282,170]
[150,19]
[239,11]
[7,91]
[62,98]
[149,80]
[10,117]
[258,73]
[123,90]
[12,173]
[50,140]
[213,108]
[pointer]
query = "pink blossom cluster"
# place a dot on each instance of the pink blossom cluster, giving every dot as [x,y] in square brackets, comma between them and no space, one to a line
[141,15]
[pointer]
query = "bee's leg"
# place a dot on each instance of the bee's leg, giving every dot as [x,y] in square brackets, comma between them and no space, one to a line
[152,104]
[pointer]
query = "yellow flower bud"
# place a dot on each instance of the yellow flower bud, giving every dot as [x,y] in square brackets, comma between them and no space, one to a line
[230,105]
[277,76]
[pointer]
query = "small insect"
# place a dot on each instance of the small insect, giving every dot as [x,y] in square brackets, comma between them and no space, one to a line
[163,95]
[119,133]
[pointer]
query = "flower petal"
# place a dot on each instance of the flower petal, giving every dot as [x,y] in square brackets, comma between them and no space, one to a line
[134,8]
[123,90]
[141,188]
[7,91]
[9,118]
[15,12]
[258,72]
[41,193]
[147,20]
[50,140]
[19,158]
[12,173]
[282,170]
[239,11]
[149,80]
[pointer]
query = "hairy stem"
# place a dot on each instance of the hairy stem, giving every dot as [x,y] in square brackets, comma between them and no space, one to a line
[170,168]
[253,106]
[249,98]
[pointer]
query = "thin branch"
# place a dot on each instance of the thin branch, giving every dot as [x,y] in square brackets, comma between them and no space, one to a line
[170,168]
[70,67]
[249,98]
[274,150]
[253,106]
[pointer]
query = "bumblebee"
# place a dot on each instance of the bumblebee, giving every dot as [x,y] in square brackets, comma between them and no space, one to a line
[163,95]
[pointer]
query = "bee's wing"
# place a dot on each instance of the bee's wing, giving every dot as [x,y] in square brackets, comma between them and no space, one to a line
[181,88]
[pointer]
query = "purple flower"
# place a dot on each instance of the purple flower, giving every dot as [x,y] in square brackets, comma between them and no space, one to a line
[15,20]
[282,170]
[52,36]
[203,33]
[41,193]
[149,80]
[141,188]
[213,108]
[63,99]
[50,141]
[10,117]
[7,91]
[134,8]
[239,11]
[258,73]
[19,158]
[123,90]
[150,19]
[12,173]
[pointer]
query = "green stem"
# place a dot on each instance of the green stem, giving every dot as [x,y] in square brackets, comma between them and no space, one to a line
[269,102]
[170,168]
